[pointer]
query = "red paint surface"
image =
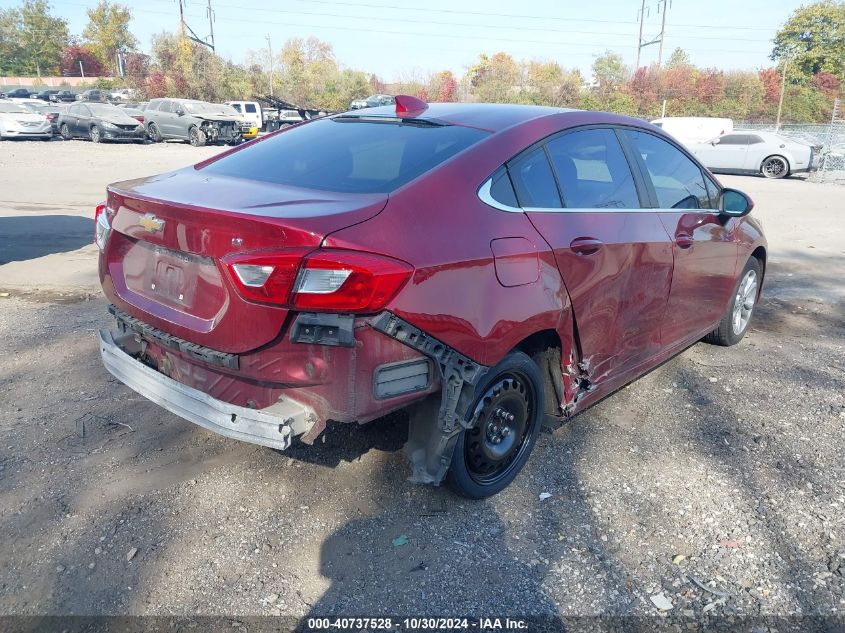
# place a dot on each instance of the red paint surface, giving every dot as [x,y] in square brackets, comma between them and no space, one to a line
[484,279]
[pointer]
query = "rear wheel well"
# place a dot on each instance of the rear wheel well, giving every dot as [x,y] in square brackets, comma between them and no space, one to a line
[545,348]
[760,255]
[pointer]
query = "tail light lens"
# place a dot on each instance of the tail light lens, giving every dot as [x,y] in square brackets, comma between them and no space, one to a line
[139,119]
[102,228]
[324,281]
[348,281]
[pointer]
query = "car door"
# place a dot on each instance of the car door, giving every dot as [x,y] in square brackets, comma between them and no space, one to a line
[164,118]
[704,241]
[83,121]
[726,152]
[615,257]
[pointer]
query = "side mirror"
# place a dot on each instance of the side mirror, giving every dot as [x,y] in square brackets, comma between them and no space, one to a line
[715,142]
[180,112]
[735,204]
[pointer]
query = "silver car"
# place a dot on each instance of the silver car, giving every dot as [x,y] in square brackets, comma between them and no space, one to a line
[766,153]
[197,122]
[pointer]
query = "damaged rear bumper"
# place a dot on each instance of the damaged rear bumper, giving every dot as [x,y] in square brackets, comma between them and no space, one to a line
[274,426]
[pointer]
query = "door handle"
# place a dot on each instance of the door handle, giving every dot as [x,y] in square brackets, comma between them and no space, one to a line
[586,245]
[684,240]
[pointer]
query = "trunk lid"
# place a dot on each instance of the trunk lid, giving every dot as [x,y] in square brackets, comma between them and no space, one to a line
[162,263]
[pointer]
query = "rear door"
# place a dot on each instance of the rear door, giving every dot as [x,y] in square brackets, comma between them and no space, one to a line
[615,256]
[83,120]
[705,246]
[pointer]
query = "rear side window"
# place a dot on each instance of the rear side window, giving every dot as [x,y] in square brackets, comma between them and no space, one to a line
[678,181]
[351,154]
[533,180]
[501,189]
[592,171]
[250,107]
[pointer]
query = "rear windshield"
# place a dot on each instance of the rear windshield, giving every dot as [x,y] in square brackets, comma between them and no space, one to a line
[348,154]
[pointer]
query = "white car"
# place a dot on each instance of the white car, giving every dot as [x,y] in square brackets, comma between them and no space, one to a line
[765,153]
[16,121]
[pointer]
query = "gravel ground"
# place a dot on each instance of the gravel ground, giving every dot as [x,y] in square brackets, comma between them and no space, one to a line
[714,484]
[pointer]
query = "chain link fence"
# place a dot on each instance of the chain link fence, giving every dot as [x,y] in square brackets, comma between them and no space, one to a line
[830,136]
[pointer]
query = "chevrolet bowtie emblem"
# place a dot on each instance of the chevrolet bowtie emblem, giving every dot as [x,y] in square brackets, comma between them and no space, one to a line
[151,223]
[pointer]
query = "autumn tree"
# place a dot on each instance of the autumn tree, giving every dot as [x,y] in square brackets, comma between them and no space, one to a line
[813,39]
[78,59]
[107,32]
[495,79]
[442,87]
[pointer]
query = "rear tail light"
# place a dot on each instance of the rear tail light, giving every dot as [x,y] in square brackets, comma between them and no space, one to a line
[101,226]
[139,119]
[324,281]
[348,281]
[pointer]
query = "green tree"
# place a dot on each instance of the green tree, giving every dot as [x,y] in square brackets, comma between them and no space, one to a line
[495,79]
[107,32]
[609,71]
[678,58]
[813,40]
[41,38]
[11,51]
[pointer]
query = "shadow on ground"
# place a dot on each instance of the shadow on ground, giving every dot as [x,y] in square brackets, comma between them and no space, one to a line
[33,236]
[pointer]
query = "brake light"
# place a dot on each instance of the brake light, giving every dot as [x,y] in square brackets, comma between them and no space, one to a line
[348,281]
[102,228]
[324,281]
[139,119]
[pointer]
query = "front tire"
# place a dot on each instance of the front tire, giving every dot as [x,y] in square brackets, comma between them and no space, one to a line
[775,167]
[505,420]
[196,137]
[737,317]
[95,134]
[154,134]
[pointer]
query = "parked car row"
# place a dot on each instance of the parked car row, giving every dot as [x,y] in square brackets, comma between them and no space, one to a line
[196,122]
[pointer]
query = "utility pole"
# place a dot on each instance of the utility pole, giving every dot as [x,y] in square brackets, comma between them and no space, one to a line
[181,19]
[211,23]
[782,90]
[81,70]
[270,53]
[640,40]
[662,32]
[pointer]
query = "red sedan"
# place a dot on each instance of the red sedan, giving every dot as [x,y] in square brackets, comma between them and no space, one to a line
[481,265]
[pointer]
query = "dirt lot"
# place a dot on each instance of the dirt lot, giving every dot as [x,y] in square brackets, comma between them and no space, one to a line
[716,481]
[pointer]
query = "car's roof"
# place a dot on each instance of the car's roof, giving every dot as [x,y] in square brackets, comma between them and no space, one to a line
[488,116]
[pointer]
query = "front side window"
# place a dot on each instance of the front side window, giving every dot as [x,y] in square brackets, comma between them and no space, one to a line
[533,180]
[250,107]
[733,139]
[348,153]
[592,171]
[677,180]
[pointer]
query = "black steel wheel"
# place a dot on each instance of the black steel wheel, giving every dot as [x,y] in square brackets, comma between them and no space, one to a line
[504,422]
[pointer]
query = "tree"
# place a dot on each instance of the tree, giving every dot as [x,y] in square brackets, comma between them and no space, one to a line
[76,54]
[41,36]
[107,32]
[11,51]
[443,87]
[495,79]
[813,40]
[609,71]
[678,58]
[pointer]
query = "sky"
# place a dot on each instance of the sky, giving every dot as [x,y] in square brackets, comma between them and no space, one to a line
[399,40]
